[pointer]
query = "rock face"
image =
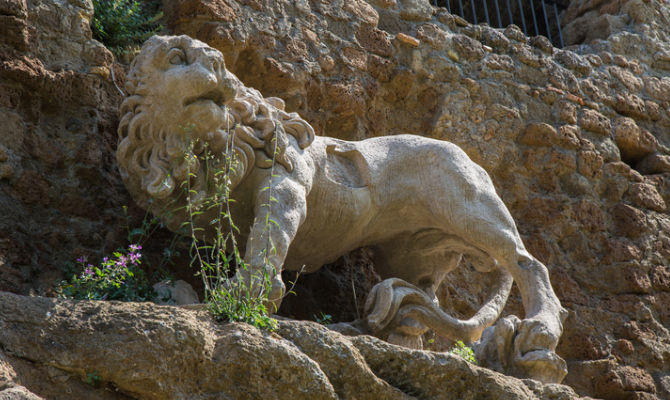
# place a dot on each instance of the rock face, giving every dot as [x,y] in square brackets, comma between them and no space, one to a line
[59,187]
[575,141]
[144,351]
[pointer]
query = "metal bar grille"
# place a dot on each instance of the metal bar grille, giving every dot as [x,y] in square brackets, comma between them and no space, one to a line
[546,21]
[509,14]
[474,12]
[543,20]
[486,12]
[523,19]
[558,25]
[498,12]
[532,10]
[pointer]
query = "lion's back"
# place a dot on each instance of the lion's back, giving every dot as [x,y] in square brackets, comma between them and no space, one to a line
[418,183]
[411,162]
[372,190]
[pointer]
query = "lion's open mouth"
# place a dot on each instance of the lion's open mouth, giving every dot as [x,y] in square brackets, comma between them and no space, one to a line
[214,96]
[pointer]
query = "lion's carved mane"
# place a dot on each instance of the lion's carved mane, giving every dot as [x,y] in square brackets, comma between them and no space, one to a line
[152,155]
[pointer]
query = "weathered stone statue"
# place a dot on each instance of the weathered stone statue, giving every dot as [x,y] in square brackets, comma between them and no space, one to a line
[419,203]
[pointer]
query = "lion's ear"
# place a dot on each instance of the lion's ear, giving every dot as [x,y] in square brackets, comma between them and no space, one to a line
[276,102]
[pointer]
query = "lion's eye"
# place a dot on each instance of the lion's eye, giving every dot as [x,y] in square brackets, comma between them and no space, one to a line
[176,56]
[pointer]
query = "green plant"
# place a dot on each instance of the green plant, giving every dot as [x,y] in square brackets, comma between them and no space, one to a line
[323,318]
[121,276]
[124,24]
[141,234]
[147,227]
[236,303]
[463,351]
[93,378]
[117,278]
[217,256]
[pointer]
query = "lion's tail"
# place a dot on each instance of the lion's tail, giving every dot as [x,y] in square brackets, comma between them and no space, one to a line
[393,300]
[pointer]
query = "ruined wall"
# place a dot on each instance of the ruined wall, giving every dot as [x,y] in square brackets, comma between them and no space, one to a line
[575,141]
[586,21]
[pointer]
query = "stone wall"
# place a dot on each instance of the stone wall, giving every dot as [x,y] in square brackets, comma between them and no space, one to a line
[575,141]
[587,20]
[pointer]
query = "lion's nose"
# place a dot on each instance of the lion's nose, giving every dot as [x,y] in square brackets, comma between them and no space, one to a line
[211,59]
[204,75]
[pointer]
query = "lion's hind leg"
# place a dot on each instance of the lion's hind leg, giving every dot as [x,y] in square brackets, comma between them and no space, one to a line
[492,229]
[504,244]
[526,348]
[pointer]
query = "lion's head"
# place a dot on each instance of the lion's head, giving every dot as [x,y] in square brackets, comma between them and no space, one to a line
[182,99]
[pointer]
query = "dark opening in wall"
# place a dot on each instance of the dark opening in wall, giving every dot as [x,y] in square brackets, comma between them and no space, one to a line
[534,17]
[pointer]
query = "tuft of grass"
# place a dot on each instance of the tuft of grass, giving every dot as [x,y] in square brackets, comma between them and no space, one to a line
[237,305]
[93,378]
[463,351]
[323,318]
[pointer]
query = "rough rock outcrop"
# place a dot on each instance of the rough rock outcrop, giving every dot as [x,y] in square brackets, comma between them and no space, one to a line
[145,351]
[59,187]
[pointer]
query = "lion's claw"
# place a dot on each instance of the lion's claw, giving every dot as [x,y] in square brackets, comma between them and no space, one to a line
[544,365]
[522,348]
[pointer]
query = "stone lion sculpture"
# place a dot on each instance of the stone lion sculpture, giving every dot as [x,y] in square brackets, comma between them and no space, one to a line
[419,203]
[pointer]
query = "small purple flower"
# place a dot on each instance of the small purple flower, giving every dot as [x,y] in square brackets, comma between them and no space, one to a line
[82,259]
[135,247]
[135,257]
[88,271]
[121,262]
[105,259]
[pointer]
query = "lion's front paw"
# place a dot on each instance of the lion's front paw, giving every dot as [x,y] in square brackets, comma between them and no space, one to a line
[276,293]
